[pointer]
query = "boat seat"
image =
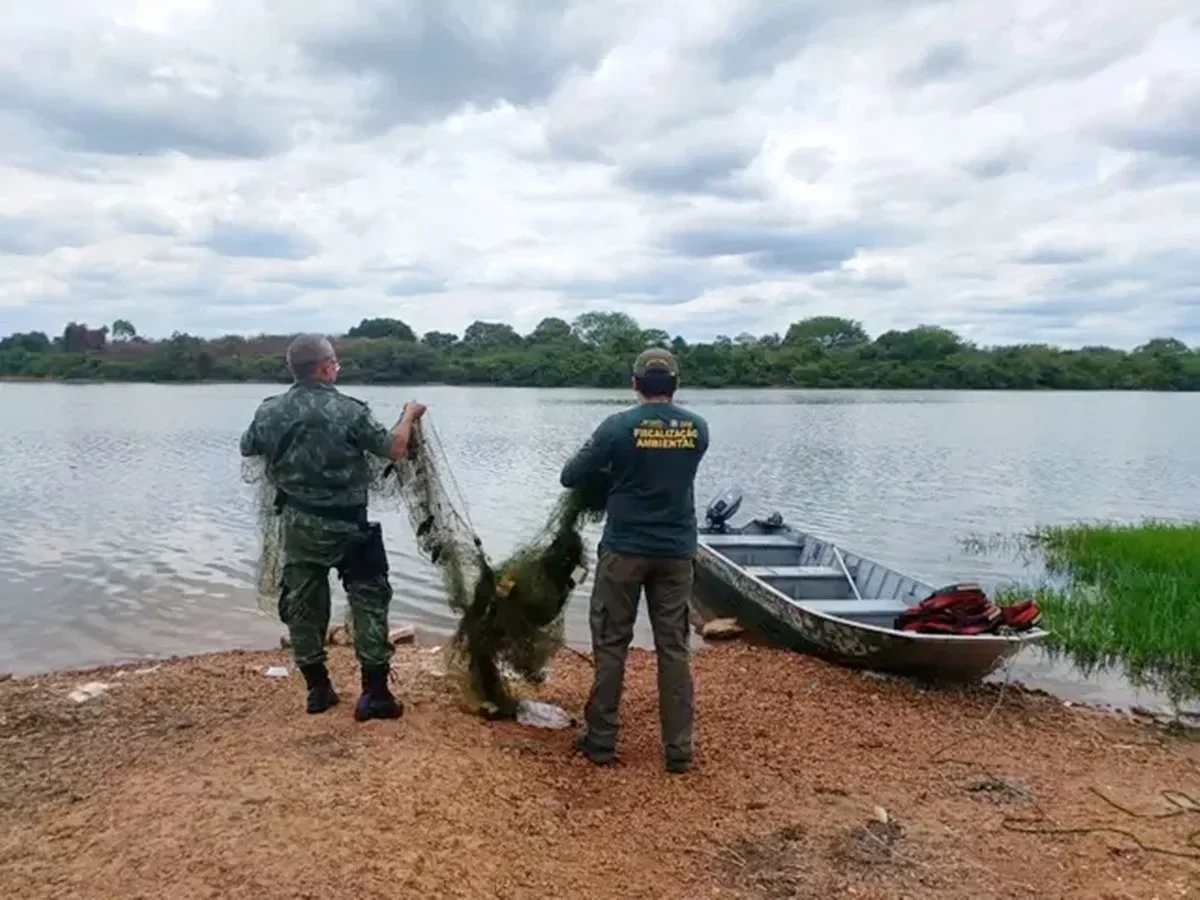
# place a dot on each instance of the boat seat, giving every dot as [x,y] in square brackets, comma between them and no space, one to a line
[755,549]
[803,582]
[867,608]
[748,540]
[765,572]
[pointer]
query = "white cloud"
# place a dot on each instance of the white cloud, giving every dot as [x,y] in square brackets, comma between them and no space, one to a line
[1018,172]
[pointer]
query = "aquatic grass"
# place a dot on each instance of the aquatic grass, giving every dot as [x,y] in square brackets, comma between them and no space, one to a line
[1123,594]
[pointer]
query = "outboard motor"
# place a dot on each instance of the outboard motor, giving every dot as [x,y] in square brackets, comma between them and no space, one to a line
[721,510]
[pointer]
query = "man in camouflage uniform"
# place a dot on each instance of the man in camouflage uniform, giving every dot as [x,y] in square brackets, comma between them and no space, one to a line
[315,439]
[650,452]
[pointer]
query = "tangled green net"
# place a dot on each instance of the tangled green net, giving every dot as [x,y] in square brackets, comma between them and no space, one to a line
[510,614]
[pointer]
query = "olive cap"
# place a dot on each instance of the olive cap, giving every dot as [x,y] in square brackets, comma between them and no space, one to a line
[656,359]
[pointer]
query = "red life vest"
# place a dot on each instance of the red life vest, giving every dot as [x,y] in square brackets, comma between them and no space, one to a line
[965,609]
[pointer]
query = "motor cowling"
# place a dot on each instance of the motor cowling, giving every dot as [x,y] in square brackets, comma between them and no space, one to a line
[722,509]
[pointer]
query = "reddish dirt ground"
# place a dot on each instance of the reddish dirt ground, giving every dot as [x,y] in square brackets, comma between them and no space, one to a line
[205,778]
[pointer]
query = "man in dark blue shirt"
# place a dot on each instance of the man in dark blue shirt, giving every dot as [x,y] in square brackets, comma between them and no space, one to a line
[650,453]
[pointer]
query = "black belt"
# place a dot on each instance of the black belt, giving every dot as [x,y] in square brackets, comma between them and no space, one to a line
[340,513]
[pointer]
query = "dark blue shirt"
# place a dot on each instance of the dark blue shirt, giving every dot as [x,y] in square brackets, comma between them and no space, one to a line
[651,453]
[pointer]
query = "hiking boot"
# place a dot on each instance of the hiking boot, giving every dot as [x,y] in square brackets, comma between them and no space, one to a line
[321,694]
[594,754]
[679,766]
[377,701]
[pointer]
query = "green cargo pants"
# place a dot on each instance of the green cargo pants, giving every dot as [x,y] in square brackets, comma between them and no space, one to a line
[312,547]
[618,584]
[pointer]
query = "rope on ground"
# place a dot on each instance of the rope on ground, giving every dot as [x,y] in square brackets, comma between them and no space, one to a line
[1008,673]
[1043,824]
[1184,804]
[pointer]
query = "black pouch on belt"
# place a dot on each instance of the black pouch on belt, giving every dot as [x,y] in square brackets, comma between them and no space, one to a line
[366,556]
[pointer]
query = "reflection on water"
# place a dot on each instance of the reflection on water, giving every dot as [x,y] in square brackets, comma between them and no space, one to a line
[128,530]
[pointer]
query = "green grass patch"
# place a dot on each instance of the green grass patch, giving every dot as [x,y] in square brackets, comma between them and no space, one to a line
[1126,595]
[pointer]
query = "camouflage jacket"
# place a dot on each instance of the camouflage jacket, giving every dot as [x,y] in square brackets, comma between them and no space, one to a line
[314,439]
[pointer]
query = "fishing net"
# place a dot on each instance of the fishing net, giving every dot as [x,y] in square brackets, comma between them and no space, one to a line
[511,613]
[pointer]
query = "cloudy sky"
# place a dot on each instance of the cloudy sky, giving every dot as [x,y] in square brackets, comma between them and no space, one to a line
[1016,171]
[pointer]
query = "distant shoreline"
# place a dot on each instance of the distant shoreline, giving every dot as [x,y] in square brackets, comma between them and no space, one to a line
[684,388]
[597,351]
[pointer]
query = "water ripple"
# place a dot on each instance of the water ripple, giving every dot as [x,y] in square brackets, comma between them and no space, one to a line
[128,530]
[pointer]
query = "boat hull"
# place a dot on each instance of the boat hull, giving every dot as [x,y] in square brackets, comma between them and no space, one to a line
[724,587]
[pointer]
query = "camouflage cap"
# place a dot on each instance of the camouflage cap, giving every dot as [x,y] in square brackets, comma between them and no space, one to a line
[656,359]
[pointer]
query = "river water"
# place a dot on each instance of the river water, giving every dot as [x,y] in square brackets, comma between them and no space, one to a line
[128,532]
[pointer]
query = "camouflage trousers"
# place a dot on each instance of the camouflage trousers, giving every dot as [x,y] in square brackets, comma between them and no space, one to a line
[312,547]
[617,587]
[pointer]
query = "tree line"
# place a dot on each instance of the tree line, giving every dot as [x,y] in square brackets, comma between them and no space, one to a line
[596,349]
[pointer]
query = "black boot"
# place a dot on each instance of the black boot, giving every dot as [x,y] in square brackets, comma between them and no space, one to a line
[321,695]
[595,755]
[377,701]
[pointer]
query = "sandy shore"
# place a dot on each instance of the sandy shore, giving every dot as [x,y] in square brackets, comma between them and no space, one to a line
[204,778]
